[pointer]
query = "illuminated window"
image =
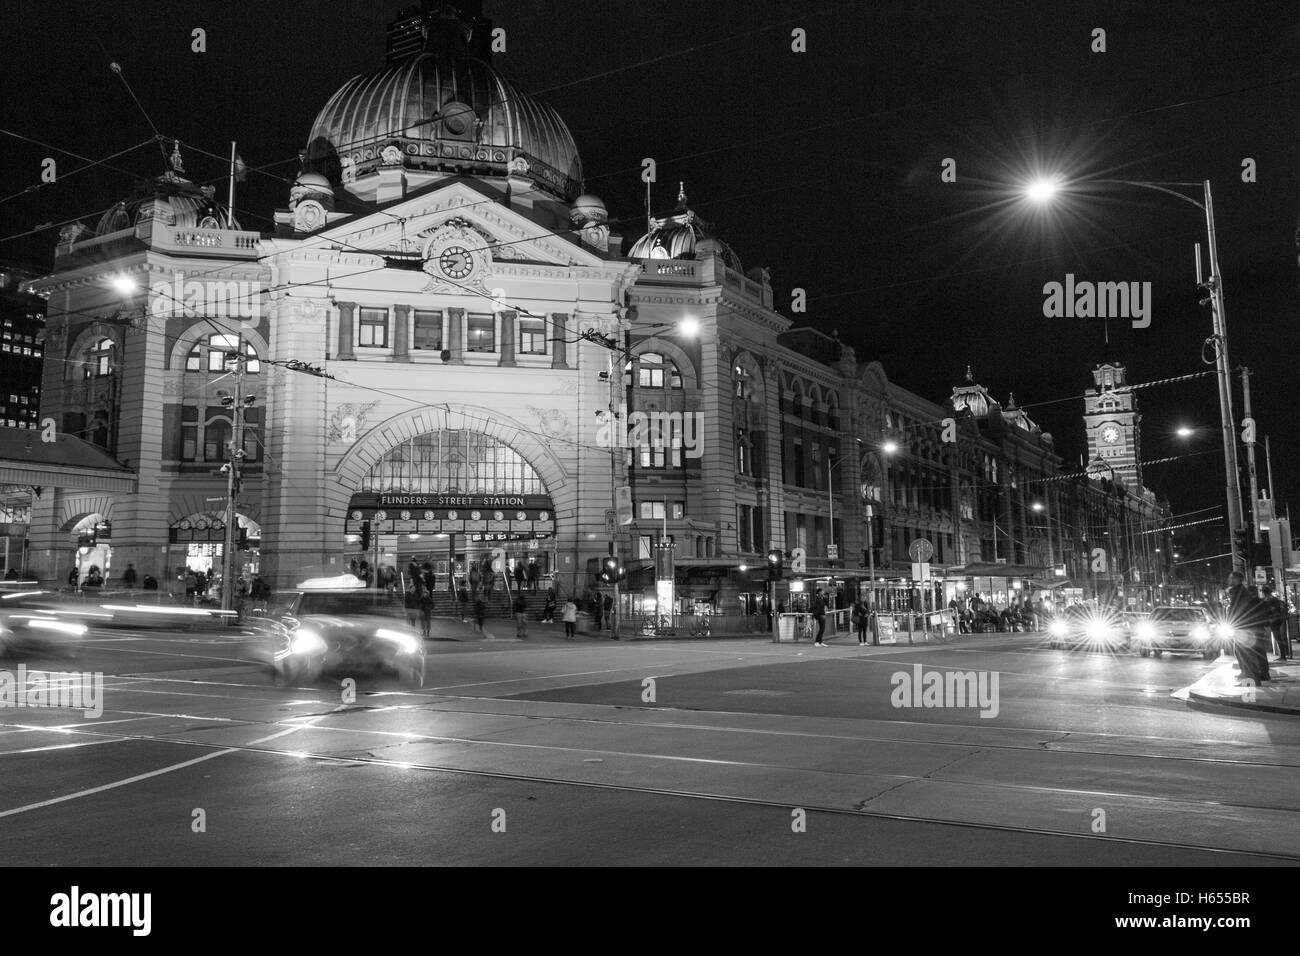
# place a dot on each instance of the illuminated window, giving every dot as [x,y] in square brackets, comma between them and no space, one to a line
[532,337]
[428,331]
[481,333]
[99,359]
[213,352]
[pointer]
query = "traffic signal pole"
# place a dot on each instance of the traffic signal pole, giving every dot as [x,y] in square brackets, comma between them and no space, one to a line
[235,460]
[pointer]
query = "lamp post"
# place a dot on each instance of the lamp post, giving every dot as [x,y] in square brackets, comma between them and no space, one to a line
[1045,189]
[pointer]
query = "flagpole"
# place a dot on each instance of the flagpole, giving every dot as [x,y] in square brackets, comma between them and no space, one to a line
[230,206]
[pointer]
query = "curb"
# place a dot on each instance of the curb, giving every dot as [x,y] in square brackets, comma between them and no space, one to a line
[1231,703]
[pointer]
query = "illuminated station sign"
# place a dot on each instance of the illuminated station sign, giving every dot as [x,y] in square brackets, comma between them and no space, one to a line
[494,517]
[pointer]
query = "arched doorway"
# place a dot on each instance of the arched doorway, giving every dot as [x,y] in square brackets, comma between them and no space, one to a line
[198,541]
[451,497]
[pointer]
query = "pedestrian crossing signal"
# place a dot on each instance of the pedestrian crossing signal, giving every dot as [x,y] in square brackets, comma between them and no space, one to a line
[612,570]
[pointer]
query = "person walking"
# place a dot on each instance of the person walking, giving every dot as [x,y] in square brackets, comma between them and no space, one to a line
[480,612]
[1247,618]
[73,576]
[1275,614]
[426,613]
[128,577]
[861,620]
[191,585]
[463,596]
[570,617]
[609,612]
[533,574]
[489,576]
[548,613]
[475,579]
[520,575]
[819,615]
[521,616]
[596,606]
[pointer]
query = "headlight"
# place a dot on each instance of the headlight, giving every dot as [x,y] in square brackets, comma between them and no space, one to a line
[1223,630]
[1058,628]
[1145,631]
[1200,633]
[405,642]
[306,642]
[1098,631]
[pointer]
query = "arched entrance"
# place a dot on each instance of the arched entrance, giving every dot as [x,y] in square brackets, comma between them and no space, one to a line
[451,497]
[198,541]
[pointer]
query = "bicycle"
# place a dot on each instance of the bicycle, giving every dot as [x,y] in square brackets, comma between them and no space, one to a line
[700,627]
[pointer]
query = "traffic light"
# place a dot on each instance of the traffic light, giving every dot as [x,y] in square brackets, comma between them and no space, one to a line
[365,536]
[1241,545]
[775,564]
[609,570]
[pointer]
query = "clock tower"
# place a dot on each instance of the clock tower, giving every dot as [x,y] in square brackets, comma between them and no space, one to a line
[1110,418]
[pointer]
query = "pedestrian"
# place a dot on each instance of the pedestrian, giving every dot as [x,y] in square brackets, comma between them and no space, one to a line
[548,613]
[489,575]
[150,583]
[819,615]
[73,577]
[413,572]
[94,578]
[609,611]
[480,612]
[1275,615]
[570,617]
[463,596]
[128,577]
[596,606]
[534,574]
[426,613]
[860,621]
[1247,617]
[521,617]
[475,578]
[191,585]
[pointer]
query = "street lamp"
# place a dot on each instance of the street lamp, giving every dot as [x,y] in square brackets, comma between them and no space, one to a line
[1044,190]
[1051,554]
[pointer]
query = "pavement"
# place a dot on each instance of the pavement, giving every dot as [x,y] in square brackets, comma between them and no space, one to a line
[1219,688]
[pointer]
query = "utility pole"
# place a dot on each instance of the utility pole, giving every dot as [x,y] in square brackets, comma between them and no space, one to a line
[233,466]
[1250,457]
[1215,287]
[616,433]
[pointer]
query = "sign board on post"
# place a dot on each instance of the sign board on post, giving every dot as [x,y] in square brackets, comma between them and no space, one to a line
[832,552]
[1261,575]
[920,571]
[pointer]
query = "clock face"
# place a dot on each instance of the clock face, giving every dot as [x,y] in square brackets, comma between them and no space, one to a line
[456,262]
[1110,434]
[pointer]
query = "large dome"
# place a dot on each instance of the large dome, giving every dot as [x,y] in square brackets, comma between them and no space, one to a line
[480,124]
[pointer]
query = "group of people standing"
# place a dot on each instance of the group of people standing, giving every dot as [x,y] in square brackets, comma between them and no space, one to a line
[1259,620]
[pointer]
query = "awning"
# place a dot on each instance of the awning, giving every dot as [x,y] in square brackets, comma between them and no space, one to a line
[65,462]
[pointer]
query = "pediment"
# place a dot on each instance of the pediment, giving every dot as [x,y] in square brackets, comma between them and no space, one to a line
[505,235]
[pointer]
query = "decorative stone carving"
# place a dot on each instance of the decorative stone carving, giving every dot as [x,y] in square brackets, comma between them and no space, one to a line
[348,422]
[391,155]
[308,216]
[553,423]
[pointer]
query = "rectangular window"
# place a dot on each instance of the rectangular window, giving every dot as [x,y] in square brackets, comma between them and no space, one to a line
[374,329]
[679,509]
[532,337]
[216,434]
[652,510]
[744,526]
[481,333]
[428,330]
[645,547]
[189,432]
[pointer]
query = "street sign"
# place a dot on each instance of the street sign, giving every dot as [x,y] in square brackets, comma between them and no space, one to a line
[920,571]
[1261,575]
[921,550]
[611,522]
[832,552]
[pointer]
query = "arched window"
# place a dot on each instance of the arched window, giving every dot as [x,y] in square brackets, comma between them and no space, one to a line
[744,385]
[744,454]
[655,372]
[453,462]
[216,436]
[214,353]
[99,358]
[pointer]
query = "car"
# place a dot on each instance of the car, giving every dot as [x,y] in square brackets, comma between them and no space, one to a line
[1180,630]
[344,631]
[36,621]
[1088,628]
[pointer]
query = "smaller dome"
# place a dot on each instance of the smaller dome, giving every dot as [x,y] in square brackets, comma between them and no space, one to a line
[972,397]
[675,236]
[315,182]
[588,209]
[172,200]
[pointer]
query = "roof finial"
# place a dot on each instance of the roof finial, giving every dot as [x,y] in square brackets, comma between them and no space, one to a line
[970,376]
[1011,401]
[177,166]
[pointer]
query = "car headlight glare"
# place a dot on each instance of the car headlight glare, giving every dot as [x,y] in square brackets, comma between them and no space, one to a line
[1098,631]
[1057,628]
[1223,630]
[306,642]
[1145,631]
[405,642]
[1200,633]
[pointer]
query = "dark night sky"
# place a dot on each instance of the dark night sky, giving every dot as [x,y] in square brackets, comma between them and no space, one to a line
[823,166]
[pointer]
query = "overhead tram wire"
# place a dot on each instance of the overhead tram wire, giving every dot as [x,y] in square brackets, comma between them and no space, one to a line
[64,176]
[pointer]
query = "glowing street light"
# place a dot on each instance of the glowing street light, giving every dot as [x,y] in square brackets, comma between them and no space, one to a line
[124,284]
[1184,431]
[689,327]
[1042,190]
